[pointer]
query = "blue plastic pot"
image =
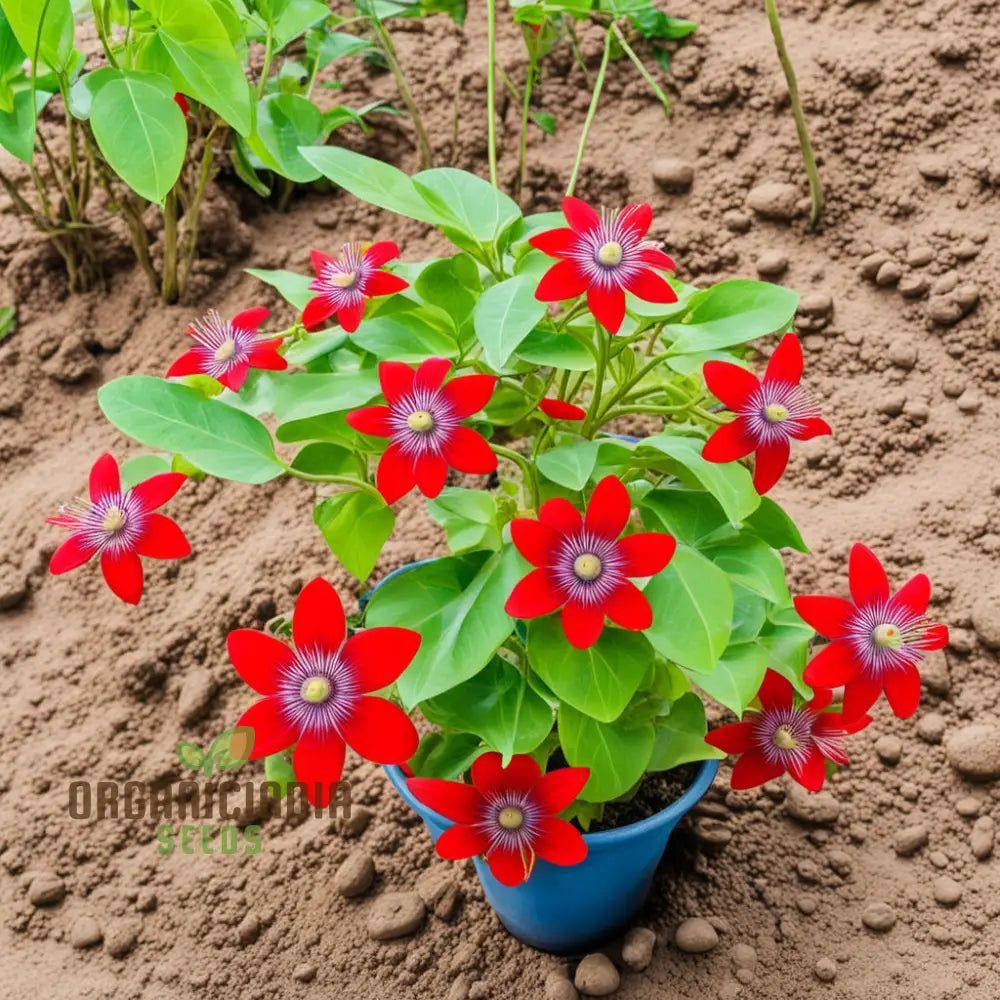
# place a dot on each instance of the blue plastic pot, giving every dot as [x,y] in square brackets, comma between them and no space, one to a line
[569,910]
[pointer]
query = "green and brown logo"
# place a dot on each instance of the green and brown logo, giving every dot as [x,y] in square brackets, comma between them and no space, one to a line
[229,750]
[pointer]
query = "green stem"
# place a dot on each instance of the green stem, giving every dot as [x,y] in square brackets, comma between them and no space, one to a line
[594,410]
[815,189]
[527,470]
[168,281]
[491,86]
[641,67]
[529,83]
[268,55]
[309,477]
[591,112]
[654,337]
[707,415]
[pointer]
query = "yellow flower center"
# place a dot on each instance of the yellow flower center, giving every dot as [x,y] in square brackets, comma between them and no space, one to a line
[887,636]
[784,739]
[226,350]
[511,818]
[610,254]
[344,279]
[420,421]
[114,520]
[316,690]
[776,413]
[587,566]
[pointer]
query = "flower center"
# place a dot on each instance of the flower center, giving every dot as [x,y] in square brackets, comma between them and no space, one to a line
[343,279]
[316,690]
[610,253]
[783,738]
[776,413]
[887,636]
[226,350]
[114,520]
[511,818]
[420,421]
[587,566]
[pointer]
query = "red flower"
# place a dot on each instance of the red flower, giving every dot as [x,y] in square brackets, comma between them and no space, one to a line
[120,526]
[227,349]
[877,641]
[317,694]
[182,103]
[769,412]
[781,737]
[423,423]
[507,814]
[605,256]
[345,284]
[559,410]
[583,565]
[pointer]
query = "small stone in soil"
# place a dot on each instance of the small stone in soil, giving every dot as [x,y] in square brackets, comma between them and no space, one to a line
[910,840]
[931,727]
[774,200]
[974,751]
[744,956]
[85,933]
[947,891]
[982,838]
[713,833]
[304,973]
[871,264]
[825,970]
[968,806]
[969,402]
[356,824]
[903,353]
[811,808]
[248,930]
[673,174]
[355,875]
[596,976]
[934,675]
[889,749]
[696,935]
[892,403]
[120,939]
[558,987]
[807,905]
[888,274]
[46,888]
[772,264]
[736,222]
[396,914]
[879,917]
[637,948]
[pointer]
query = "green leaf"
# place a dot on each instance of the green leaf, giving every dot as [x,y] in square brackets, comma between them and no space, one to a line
[8,322]
[278,768]
[617,753]
[326,46]
[730,483]
[680,736]
[570,465]
[324,459]
[372,181]
[196,42]
[469,518]
[355,525]
[737,676]
[293,287]
[295,17]
[554,350]
[403,337]
[749,615]
[504,315]
[772,524]
[306,394]
[456,604]
[222,441]
[755,565]
[545,122]
[786,638]
[689,515]
[497,705]
[190,756]
[451,285]
[598,681]
[141,131]
[470,204]
[17,127]
[284,123]
[142,467]
[315,345]
[692,604]
[54,44]
[730,313]
[83,92]
[445,755]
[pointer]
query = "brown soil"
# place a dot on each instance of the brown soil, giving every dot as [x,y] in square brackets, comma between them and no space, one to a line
[902,100]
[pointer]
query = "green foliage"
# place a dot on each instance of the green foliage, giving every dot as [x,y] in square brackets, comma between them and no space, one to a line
[355,525]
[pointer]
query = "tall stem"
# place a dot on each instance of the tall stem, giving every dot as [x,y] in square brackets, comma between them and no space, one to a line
[491,87]
[815,189]
[593,420]
[591,112]
[168,282]
[268,55]
[525,113]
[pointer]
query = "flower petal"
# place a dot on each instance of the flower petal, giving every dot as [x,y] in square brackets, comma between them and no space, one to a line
[468,394]
[318,621]
[373,420]
[729,443]
[395,476]
[396,380]
[582,624]
[785,364]
[234,378]
[580,216]
[104,478]
[555,242]
[732,385]
[469,452]
[915,594]
[250,319]
[775,691]
[936,637]
[860,694]
[318,763]
[534,540]
[258,658]
[320,260]
[637,217]
[123,574]
[349,316]
[534,595]
[608,307]
[811,773]
[557,409]
[189,363]
[560,514]
[491,778]
[317,311]
[555,790]
[455,800]
[385,283]
[379,655]
[769,464]
[380,731]
[753,769]
[737,737]
[830,616]
[627,606]
[508,867]
[459,842]
[647,552]
[832,666]
[810,428]
[902,690]
[609,508]
[72,553]
[650,287]
[561,281]
[869,583]
[559,842]
[380,253]
[162,539]
[431,472]
[431,373]
[271,731]
[657,258]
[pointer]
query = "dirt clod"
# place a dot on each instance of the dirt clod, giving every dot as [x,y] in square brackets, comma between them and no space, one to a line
[880,917]
[974,751]
[396,914]
[910,840]
[356,875]
[637,948]
[46,889]
[85,933]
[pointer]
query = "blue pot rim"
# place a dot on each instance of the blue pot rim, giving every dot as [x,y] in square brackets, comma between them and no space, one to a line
[676,809]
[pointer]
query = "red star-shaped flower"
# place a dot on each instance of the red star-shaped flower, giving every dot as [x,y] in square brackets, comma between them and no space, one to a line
[557,409]
[508,815]
[770,411]
[605,256]
[782,737]
[227,349]
[344,285]
[423,422]
[317,694]
[583,565]
[120,525]
[877,640]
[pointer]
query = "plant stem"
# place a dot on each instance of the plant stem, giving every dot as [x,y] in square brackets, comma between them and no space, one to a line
[529,82]
[491,86]
[641,67]
[527,470]
[707,415]
[268,55]
[815,189]
[309,477]
[168,280]
[591,112]
[594,410]
[193,210]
